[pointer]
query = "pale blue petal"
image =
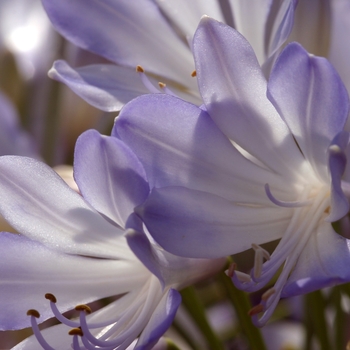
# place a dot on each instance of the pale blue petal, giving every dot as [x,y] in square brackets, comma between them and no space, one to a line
[109,175]
[313,101]
[187,14]
[29,270]
[160,320]
[105,86]
[324,262]
[125,32]
[201,225]
[337,165]
[39,204]
[171,270]
[179,144]
[233,89]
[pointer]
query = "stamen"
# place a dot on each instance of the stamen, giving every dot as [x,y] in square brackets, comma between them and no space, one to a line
[194,73]
[260,254]
[146,82]
[242,277]
[166,89]
[34,314]
[256,310]
[84,308]
[76,331]
[231,269]
[268,293]
[51,297]
[139,69]
[291,204]
[57,313]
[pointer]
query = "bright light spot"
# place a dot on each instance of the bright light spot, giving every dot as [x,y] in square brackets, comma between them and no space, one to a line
[23,39]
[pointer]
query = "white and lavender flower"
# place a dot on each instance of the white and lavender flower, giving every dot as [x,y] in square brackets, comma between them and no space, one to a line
[248,168]
[158,36]
[73,249]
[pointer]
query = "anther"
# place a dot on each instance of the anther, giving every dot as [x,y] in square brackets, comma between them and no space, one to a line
[231,270]
[139,69]
[193,74]
[50,297]
[76,331]
[268,293]
[242,277]
[83,308]
[256,310]
[162,85]
[33,312]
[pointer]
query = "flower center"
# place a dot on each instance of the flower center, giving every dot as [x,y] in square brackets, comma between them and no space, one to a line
[306,217]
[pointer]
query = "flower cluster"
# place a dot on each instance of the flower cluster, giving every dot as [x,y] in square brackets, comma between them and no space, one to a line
[228,136]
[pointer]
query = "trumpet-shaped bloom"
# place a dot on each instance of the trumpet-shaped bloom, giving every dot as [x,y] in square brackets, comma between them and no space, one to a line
[73,250]
[248,168]
[156,35]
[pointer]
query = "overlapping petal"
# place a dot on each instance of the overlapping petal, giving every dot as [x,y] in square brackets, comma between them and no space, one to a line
[29,270]
[233,89]
[313,101]
[324,262]
[160,320]
[170,269]
[125,32]
[39,204]
[105,86]
[179,145]
[201,225]
[109,175]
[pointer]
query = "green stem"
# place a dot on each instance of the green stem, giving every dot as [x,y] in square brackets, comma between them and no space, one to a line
[196,309]
[316,305]
[241,304]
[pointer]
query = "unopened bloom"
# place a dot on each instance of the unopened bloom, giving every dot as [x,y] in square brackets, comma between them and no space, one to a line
[156,35]
[247,169]
[73,249]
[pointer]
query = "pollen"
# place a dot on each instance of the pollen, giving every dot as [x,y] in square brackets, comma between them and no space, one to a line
[256,310]
[33,312]
[50,297]
[231,269]
[194,74]
[76,331]
[268,293]
[139,69]
[83,308]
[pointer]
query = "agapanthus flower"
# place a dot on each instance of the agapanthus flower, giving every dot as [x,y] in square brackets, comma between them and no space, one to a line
[260,161]
[156,35]
[73,249]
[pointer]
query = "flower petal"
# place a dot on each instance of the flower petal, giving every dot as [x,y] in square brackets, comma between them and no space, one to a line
[109,175]
[39,204]
[186,14]
[124,32]
[337,165]
[179,145]
[105,86]
[29,270]
[160,321]
[233,89]
[313,101]
[324,263]
[200,225]
[171,270]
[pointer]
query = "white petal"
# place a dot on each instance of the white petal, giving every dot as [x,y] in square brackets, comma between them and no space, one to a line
[39,204]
